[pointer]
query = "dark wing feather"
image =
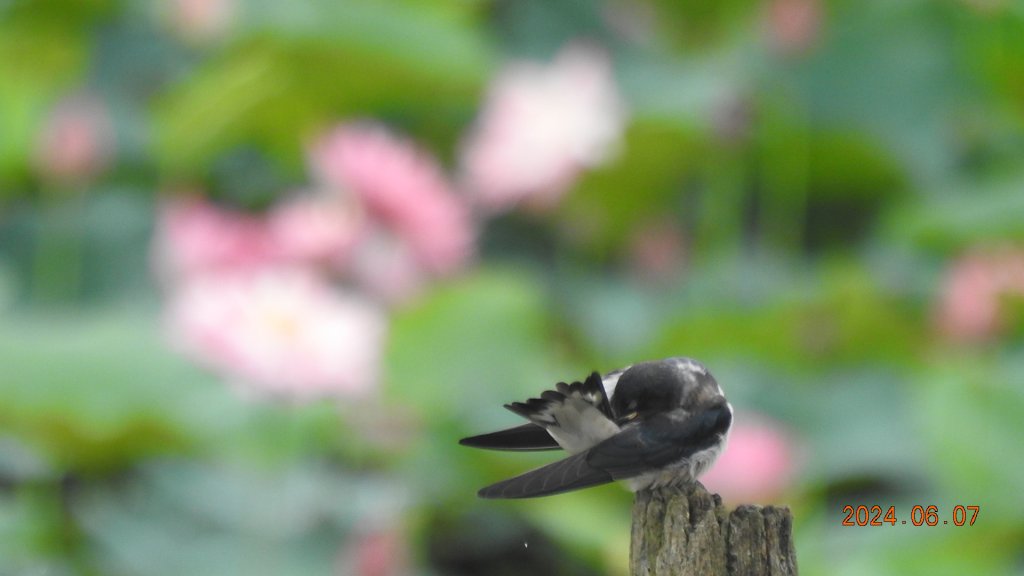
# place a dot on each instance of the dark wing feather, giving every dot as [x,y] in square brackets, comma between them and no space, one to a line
[540,410]
[527,437]
[571,473]
[658,442]
[592,391]
[594,387]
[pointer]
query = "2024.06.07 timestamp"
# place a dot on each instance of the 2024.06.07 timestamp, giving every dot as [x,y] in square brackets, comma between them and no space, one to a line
[919,516]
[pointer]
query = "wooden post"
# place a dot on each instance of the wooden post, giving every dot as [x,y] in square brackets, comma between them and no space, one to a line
[687,532]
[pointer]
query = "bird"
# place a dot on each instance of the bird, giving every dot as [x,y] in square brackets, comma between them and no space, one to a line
[652,424]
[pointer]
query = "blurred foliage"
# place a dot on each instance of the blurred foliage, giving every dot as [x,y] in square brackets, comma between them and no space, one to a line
[820,196]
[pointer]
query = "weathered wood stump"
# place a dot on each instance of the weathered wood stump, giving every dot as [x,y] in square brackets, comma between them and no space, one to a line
[687,532]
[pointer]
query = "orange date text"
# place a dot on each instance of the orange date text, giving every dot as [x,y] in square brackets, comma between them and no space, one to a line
[919,516]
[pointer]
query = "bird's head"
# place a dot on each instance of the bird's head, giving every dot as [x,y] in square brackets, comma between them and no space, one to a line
[652,388]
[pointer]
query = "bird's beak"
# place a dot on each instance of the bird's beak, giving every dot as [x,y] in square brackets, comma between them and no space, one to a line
[627,418]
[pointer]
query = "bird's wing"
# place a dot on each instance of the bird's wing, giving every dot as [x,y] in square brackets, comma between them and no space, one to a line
[611,380]
[573,416]
[576,415]
[528,437]
[658,442]
[571,473]
[543,410]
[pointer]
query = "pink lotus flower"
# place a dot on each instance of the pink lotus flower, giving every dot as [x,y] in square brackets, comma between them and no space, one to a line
[540,126]
[793,25]
[279,332]
[657,250]
[757,465]
[315,228]
[406,197]
[201,21]
[381,553]
[76,141]
[194,236]
[384,266]
[971,308]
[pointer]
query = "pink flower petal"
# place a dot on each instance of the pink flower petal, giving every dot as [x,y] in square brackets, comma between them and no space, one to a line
[386,269]
[970,305]
[793,25]
[201,20]
[194,236]
[540,126]
[76,141]
[757,464]
[402,189]
[315,228]
[280,332]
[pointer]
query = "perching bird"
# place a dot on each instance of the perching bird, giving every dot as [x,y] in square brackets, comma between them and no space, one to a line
[665,423]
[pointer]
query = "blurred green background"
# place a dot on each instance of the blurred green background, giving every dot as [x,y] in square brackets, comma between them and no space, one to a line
[822,200]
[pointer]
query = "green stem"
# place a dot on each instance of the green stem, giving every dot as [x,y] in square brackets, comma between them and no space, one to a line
[784,151]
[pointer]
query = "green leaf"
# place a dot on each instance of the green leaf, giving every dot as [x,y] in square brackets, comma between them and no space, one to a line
[179,517]
[476,342]
[438,36]
[962,215]
[886,69]
[36,62]
[93,392]
[643,183]
[838,315]
[970,410]
[303,67]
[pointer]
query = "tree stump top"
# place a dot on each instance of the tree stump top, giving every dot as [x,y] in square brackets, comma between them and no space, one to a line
[686,531]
